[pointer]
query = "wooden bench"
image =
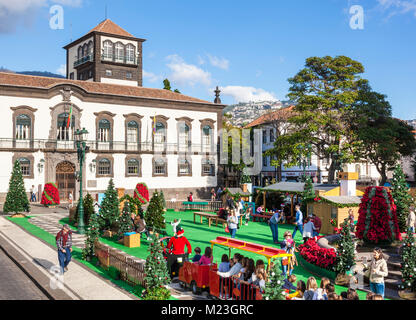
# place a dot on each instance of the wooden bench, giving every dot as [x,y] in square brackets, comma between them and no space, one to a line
[210,217]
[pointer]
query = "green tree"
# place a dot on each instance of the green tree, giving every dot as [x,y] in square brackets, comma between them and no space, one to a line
[346,249]
[16,199]
[156,271]
[375,135]
[408,263]
[177,91]
[110,211]
[308,194]
[166,85]
[88,209]
[92,234]
[402,198]
[154,215]
[125,223]
[323,92]
[273,290]
[162,199]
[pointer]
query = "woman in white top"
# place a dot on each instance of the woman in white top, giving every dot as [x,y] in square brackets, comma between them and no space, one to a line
[232,223]
[308,229]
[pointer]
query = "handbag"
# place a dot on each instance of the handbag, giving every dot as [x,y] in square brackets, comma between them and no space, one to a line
[227,230]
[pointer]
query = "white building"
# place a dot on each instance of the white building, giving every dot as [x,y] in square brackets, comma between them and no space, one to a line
[165,139]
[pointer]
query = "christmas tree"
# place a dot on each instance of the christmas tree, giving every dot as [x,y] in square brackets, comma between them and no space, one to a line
[162,199]
[88,204]
[110,212]
[273,290]
[401,196]
[377,220]
[408,264]
[308,194]
[156,273]
[92,234]
[16,199]
[125,224]
[346,250]
[154,214]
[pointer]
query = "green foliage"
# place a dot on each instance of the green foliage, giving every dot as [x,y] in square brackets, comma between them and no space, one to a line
[346,249]
[245,179]
[157,294]
[88,204]
[110,211]
[92,234]
[273,290]
[308,194]
[154,214]
[125,223]
[135,204]
[166,85]
[156,270]
[402,198]
[162,199]
[114,273]
[177,91]
[16,199]
[408,263]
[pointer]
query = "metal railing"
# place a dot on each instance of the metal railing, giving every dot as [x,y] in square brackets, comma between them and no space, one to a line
[237,289]
[178,205]
[94,145]
[82,60]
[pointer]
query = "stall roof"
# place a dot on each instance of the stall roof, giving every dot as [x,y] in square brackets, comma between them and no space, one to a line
[235,191]
[296,187]
[343,200]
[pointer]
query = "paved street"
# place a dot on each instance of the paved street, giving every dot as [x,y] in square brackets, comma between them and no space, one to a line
[15,284]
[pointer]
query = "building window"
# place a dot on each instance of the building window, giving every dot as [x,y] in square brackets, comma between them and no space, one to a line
[65,132]
[129,75]
[206,138]
[130,50]
[104,130]
[90,48]
[208,167]
[81,76]
[271,135]
[133,167]
[104,167]
[264,136]
[132,132]
[79,52]
[184,167]
[89,74]
[160,137]
[24,166]
[159,167]
[71,76]
[85,50]
[265,161]
[108,50]
[108,73]
[23,127]
[119,52]
[184,137]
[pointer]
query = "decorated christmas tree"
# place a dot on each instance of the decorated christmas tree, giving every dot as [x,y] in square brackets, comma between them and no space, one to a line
[92,234]
[162,199]
[125,223]
[273,290]
[377,220]
[408,264]
[110,211]
[50,195]
[154,214]
[16,199]
[156,273]
[308,194]
[88,204]
[401,196]
[346,250]
[141,192]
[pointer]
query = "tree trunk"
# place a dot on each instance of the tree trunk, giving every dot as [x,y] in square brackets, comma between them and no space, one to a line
[383,173]
[331,173]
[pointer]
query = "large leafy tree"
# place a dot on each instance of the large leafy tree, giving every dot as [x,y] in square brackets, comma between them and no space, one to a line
[323,92]
[16,199]
[375,135]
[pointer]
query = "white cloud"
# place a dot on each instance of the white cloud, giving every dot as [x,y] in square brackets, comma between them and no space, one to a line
[247,94]
[61,70]
[221,63]
[398,6]
[14,13]
[186,74]
[151,77]
[201,61]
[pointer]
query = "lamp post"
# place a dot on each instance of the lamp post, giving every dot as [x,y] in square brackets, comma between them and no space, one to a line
[81,136]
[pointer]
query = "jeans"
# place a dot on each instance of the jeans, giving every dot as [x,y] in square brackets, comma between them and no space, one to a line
[315,233]
[297,227]
[412,229]
[377,288]
[33,197]
[64,259]
[284,268]
[233,232]
[275,231]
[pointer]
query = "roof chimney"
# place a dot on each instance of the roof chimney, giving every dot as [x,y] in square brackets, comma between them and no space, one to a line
[348,181]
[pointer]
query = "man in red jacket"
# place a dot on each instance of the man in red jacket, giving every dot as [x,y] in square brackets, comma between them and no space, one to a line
[177,257]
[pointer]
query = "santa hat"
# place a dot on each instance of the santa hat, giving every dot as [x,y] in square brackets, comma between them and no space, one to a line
[180,232]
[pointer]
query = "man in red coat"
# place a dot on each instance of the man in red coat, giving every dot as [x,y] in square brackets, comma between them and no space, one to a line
[177,257]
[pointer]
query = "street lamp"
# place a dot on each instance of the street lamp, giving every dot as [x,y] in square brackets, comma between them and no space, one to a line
[81,137]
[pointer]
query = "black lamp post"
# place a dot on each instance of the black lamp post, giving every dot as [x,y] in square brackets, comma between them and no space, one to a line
[81,137]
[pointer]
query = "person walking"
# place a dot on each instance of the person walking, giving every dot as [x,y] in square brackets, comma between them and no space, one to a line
[70,198]
[64,245]
[298,222]
[274,226]
[377,270]
[213,195]
[411,218]
[232,223]
[32,194]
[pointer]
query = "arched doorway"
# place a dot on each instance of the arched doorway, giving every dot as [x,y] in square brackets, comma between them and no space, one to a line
[65,179]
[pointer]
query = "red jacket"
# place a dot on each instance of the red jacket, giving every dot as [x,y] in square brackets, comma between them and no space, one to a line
[178,244]
[317,223]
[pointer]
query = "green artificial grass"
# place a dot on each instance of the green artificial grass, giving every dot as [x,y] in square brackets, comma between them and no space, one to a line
[199,235]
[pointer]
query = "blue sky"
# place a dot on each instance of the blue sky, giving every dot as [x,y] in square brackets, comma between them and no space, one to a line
[248,48]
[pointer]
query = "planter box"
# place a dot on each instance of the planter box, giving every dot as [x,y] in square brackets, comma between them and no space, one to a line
[321,272]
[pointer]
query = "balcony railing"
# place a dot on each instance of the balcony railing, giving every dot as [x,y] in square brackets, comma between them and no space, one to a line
[83,60]
[114,146]
[123,59]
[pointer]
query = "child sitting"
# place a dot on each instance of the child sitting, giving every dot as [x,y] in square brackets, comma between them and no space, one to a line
[225,264]
[320,293]
[206,259]
[288,283]
[197,255]
[300,290]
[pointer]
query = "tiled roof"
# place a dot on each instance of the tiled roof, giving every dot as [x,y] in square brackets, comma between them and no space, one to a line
[108,26]
[281,114]
[13,79]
